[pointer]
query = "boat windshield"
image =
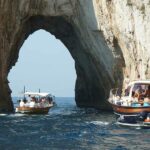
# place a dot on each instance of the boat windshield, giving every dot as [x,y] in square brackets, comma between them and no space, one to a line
[131,90]
[140,88]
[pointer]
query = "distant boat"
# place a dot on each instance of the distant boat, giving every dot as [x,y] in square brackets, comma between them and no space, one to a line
[35,103]
[132,110]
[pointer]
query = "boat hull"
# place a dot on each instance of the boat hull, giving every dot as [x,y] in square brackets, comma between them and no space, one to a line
[32,110]
[131,116]
[127,110]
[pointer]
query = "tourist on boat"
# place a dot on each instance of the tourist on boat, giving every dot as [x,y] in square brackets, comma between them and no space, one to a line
[146,102]
[32,103]
[137,94]
[29,98]
[22,104]
[126,103]
[147,92]
[43,102]
[117,100]
[50,100]
[137,87]
[134,100]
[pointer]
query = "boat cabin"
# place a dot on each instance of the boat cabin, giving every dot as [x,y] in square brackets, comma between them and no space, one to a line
[35,99]
[141,87]
[137,94]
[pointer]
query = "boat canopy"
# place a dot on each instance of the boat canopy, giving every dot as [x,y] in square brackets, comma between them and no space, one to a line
[139,82]
[37,94]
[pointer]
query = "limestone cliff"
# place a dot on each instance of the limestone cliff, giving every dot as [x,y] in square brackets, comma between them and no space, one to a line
[108,39]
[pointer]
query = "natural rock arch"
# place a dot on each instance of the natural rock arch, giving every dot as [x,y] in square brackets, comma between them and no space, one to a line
[93,78]
[87,91]
[103,37]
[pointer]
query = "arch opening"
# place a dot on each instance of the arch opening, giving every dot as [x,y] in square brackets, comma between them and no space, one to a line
[44,63]
[89,88]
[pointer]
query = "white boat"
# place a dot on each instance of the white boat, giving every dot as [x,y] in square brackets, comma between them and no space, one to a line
[129,109]
[35,103]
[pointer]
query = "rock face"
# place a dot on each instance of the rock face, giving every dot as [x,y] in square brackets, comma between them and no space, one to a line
[108,39]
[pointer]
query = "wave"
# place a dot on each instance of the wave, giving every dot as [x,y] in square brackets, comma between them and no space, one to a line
[99,122]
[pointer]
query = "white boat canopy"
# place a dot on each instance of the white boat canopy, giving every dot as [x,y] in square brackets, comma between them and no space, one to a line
[37,94]
[139,82]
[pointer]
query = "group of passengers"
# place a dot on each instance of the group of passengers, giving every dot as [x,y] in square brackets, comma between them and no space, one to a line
[140,96]
[35,102]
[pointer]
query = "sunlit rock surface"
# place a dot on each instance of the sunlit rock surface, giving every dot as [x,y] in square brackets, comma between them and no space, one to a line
[108,39]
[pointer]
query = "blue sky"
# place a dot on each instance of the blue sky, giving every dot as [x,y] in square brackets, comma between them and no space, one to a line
[45,63]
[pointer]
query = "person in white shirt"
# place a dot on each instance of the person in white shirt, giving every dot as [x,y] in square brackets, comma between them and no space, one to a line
[32,104]
[29,98]
[22,104]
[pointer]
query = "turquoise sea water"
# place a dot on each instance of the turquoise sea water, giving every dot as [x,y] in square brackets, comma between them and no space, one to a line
[67,127]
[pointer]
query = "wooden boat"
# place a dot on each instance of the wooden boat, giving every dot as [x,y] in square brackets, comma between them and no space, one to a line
[33,110]
[130,109]
[40,103]
[128,104]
